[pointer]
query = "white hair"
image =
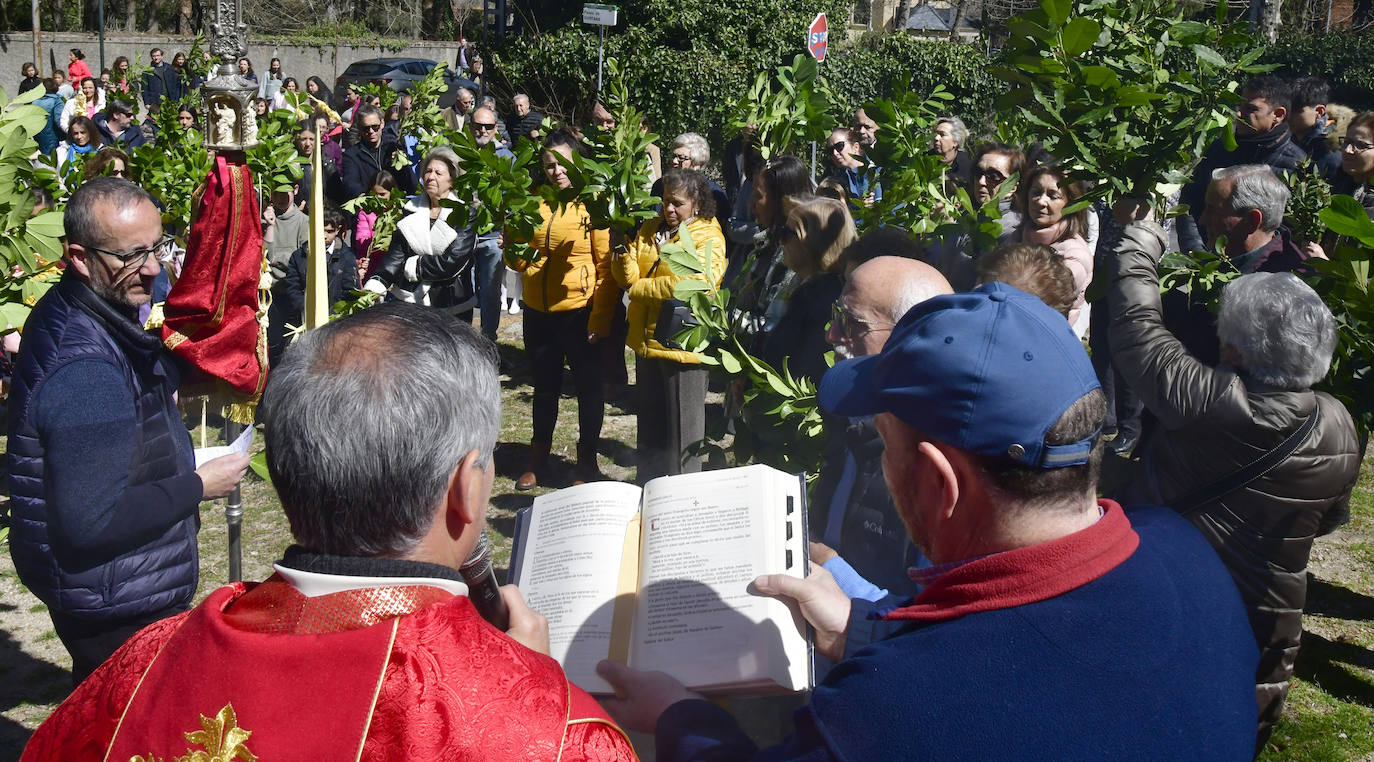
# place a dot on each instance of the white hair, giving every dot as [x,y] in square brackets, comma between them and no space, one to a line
[1284,333]
[957,128]
[914,290]
[1257,188]
[696,145]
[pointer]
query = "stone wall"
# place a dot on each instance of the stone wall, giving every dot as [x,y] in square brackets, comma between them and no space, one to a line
[299,61]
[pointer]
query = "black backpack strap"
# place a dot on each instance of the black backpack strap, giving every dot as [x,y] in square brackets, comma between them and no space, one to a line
[1259,467]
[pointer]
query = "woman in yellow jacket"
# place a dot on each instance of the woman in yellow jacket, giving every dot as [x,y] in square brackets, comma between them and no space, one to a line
[671,383]
[569,297]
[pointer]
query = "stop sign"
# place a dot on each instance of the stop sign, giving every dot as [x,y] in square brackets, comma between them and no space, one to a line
[817,37]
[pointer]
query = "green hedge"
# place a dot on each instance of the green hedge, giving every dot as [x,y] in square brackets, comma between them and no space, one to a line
[1344,59]
[874,65]
[686,79]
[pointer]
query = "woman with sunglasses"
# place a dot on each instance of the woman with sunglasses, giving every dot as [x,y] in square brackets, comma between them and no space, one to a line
[851,169]
[670,382]
[569,297]
[816,232]
[954,256]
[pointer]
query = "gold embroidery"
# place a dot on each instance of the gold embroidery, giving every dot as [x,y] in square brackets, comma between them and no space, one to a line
[221,739]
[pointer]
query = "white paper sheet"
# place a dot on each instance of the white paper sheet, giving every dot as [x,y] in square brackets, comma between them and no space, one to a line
[240,445]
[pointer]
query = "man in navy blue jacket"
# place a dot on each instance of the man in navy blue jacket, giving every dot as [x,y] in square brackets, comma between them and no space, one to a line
[1053,625]
[103,484]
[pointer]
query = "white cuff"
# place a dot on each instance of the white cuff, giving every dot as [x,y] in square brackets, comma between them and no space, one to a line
[374,286]
[412,264]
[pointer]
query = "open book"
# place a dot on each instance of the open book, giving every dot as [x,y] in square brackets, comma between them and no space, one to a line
[659,578]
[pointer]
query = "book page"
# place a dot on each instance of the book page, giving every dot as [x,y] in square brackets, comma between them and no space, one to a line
[570,566]
[705,537]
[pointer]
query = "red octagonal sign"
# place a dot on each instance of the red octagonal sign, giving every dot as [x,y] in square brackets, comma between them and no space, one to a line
[817,37]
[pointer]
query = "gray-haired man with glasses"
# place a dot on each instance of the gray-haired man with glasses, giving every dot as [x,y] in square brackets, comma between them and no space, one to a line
[861,540]
[103,483]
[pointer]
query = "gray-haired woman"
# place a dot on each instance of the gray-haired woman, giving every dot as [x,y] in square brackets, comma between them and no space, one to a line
[950,136]
[430,261]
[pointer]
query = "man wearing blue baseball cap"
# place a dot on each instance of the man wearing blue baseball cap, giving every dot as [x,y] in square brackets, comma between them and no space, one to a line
[1053,624]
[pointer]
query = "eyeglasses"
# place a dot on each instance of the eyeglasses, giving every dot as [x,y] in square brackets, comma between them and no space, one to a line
[993,176]
[844,321]
[1355,146]
[486,126]
[135,259]
[679,158]
[371,127]
[837,147]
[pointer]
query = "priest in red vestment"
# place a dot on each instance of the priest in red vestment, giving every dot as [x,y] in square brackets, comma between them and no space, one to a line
[364,644]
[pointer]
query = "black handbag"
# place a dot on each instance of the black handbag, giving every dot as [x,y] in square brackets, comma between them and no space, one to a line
[674,316]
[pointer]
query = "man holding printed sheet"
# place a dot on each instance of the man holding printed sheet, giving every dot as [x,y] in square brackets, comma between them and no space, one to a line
[1053,624]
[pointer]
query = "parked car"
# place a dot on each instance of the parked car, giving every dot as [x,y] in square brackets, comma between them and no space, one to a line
[399,74]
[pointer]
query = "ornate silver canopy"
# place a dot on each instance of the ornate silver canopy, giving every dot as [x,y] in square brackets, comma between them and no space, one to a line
[230,119]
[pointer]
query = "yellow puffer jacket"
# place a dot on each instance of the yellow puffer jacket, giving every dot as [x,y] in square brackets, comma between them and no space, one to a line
[574,269]
[650,281]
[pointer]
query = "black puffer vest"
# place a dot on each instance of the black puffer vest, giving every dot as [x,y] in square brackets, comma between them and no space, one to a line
[71,323]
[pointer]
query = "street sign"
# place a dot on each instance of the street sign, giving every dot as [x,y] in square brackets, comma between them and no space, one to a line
[817,37]
[600,15]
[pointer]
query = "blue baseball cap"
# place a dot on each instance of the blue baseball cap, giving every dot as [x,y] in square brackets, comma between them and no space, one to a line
[987,371]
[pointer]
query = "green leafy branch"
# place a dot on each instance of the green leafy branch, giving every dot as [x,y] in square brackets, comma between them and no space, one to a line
[613,183]
[389,210]
[495,193]
[274,160]
[1309,194]
[913,179]
[786,108]
[1343,283]
[779,415]
[1130,95]
[30,244]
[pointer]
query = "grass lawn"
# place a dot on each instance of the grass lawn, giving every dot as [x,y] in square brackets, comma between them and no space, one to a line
[1329,716]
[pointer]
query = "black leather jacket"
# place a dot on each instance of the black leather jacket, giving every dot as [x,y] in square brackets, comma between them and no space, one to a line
[429,262]
[1213,422]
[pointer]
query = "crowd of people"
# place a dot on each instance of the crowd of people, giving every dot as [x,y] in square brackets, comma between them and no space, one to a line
[966,560]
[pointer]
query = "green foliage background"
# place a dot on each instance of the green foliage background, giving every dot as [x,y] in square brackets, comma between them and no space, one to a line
[1345,59]
[687,62]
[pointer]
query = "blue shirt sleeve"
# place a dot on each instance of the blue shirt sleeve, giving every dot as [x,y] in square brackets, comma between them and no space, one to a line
[84,412]
[850,581]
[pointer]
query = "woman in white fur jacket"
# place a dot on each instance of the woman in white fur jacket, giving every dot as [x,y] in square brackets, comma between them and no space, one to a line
[430,261]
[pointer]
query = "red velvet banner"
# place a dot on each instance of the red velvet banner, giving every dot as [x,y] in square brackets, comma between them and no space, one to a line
[211,312]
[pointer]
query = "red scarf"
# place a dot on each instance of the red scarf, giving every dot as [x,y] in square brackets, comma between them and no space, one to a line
[1027,575]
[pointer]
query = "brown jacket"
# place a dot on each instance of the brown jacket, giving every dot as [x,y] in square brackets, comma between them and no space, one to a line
[1213,422]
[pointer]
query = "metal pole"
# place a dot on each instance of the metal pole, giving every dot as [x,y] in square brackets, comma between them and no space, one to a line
[101,19]
[600,46]
[233,512]
[37,36]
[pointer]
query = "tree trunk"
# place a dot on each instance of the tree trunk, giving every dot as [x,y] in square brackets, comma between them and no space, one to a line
[426,19]
[956,20]
[900,15]
[184,17]
[1271,18]
[130,15]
